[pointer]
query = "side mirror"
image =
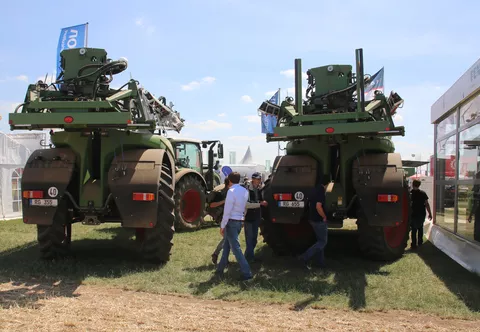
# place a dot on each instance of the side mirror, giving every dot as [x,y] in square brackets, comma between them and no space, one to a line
[220,150]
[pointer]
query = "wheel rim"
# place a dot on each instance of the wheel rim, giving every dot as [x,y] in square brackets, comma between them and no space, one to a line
[394,235]
[192,205]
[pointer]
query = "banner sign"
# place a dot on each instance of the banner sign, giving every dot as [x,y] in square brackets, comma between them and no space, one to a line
[71,37]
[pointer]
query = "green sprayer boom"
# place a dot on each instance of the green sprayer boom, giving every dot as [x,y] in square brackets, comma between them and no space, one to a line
[84,99]
[335,105]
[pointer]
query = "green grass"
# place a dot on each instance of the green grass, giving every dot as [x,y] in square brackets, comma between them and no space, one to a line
[425,281]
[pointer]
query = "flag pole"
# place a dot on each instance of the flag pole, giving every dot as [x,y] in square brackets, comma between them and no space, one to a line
[86,35]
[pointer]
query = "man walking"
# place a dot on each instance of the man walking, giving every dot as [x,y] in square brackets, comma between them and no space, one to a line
[253,215]
[216,201]
[419,200]
[318,220]
[231,226]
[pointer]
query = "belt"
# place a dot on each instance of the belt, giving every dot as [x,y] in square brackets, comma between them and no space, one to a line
[235,220]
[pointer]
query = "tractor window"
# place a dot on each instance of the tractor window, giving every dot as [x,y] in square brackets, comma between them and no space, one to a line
[188,156]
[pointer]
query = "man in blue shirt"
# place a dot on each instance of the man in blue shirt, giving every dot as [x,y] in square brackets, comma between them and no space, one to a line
[231,225]
[318,219]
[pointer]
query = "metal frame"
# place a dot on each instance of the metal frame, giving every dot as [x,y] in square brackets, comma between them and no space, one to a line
[459,129]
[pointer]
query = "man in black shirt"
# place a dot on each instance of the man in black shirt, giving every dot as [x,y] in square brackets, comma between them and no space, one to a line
[419,201]
[253,215]
[318,219]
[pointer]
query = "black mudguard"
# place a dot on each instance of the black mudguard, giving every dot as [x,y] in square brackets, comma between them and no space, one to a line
[294,175]
[376,174]
[49,170]
[138,171]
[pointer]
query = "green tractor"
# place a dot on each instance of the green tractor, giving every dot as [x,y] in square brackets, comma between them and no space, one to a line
[110,162]
[338,139]
[193,180]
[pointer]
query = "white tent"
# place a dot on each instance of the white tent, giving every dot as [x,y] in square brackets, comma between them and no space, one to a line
[14,152]
[247,158]
[246,167]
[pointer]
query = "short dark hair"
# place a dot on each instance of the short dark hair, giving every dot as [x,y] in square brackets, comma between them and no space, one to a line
[226,182]
[234,177]
[416,183]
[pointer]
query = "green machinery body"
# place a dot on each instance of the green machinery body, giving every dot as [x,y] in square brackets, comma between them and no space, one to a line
[338,140]
[110,161]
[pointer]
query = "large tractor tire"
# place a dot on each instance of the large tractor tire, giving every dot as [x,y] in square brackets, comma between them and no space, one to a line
[156,243]
[54,240]
[285,239]
[190,201]
[385,243]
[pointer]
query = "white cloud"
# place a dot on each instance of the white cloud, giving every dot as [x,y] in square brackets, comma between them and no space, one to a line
[149,28]
[252,118]
[246,99]
[209,79]
[397,118]
[209,125]
[222,115]
[290,73]
[196,84]
[22,78]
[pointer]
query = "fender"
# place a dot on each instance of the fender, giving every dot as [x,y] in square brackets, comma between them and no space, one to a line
[295,175]
[379,174]
[138,172]
[186,171]
[49,171]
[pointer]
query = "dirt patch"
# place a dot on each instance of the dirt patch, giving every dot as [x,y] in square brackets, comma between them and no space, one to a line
[64,307]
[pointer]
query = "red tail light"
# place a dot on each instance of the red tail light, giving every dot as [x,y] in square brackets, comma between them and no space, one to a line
[143,197]
[330,130]
[383,198]
[33,194]
[282,197]
[68,119]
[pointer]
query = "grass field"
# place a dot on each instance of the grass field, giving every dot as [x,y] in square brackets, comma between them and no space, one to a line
[426,280]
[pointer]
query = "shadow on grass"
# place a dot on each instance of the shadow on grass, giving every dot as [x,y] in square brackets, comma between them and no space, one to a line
[346,267]
[33,278]
[464,284]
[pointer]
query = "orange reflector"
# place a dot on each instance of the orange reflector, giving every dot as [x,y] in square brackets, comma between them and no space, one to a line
[68,119]
[282,197]
[330,130]
[143,196]
[387,198]
[33,194]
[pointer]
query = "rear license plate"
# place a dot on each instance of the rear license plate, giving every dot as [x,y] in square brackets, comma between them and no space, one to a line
[43,202]
[291,204]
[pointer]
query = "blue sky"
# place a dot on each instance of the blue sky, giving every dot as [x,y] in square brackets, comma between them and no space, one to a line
[218,60]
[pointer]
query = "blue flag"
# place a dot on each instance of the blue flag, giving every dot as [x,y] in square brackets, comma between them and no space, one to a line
[275,98]
[376,83]
[71,37]
[269,121]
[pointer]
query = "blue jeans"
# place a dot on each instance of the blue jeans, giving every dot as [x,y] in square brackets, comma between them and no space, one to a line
[251,236]
[321,232]
[232,231]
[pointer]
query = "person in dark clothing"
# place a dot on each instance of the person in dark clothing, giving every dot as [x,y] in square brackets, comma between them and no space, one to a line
[216,202]
[419,201]
[253,215]
[318,219]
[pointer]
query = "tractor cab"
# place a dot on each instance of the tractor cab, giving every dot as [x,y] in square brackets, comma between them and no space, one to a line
[188,154]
